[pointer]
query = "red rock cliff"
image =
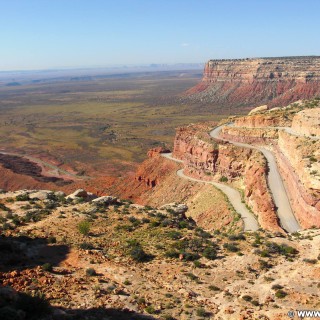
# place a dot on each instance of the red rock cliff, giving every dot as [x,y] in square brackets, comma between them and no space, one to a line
[250,82]
[246,169]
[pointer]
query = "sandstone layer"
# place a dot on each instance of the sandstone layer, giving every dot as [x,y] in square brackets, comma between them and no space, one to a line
[297,153]
[250,82]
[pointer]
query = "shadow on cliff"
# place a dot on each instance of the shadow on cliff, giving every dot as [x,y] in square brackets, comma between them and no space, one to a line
[18,253]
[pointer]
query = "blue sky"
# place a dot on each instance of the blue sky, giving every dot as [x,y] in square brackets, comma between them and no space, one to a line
[40,34]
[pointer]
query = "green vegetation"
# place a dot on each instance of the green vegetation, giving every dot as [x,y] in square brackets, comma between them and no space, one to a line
[91,272]
[223,179]
[84,227]
[47,267]
[280,294]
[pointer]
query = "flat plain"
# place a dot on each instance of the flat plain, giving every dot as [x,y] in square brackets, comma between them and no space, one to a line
[96,125]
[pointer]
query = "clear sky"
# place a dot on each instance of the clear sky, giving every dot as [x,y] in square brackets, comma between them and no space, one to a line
[39,34]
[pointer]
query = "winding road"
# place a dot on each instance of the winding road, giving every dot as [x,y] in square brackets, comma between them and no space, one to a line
[249,220]
[287,219]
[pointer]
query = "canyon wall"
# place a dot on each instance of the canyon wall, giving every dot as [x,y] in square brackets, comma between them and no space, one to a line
[245,169]
[297,151]
[243,83]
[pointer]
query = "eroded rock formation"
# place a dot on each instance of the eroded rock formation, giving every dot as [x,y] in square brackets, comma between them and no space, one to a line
[250,82]
[244,168]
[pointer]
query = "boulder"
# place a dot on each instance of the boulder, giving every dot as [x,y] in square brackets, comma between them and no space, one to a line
[41,194]
[105,200]
[176,208]
[59,194]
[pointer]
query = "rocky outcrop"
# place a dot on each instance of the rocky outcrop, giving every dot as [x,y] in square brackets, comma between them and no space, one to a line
[249,135]
[307,122]
[258,109]
[250,82]
[262,121]
[298,159]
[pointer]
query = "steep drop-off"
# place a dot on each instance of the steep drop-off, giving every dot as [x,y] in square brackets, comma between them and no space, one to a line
[245,83]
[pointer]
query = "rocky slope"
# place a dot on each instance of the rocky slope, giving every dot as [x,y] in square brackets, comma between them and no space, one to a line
[136,262]
[246,83]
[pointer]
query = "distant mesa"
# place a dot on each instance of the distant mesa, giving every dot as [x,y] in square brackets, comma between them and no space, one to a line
[248,82]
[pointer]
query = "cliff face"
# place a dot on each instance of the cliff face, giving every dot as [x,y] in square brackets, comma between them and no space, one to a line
[250,82]
[246,169]
[296,151]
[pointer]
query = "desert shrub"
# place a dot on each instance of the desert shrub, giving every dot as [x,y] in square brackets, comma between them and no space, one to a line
[197,264]
[282,249]
[136,252]
[281,294]
[311,261]
[145,220]
[9,215]
[247,298]
[132,219]
[47,267]
[86,246]
[91,272]
[264,265]
[174,235]
[84,227]
[7,226]
[150,309]
[16,220]
[277,287]
[50,205]
[214,288]
[192,276]
[183,225]
[223,179]
[172,254]
[166,223]
[190,256]
[235,237]
[210,253]
[232,247]
[201,312]
[22,197]
[155,223]
[202,234]
[3,207]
